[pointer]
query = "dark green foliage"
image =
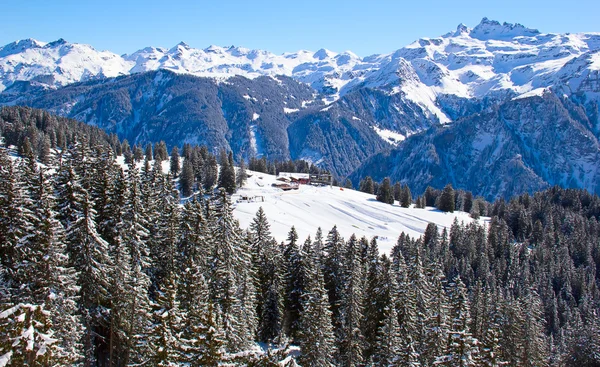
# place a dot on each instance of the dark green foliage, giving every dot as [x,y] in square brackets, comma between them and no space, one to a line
[385,193]
[227,173]
[405,197]
[446,201]
[366,185]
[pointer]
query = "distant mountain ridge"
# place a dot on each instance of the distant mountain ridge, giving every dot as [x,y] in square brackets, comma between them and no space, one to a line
[378,115]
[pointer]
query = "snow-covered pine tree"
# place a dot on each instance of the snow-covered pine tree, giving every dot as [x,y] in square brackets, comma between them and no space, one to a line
[88,252]
[135,235]
[12,220]
[374,298]
[351,339]
[164,338]
[535,345]
[437,323]
[246,294]
[461,349]
[333,272]
[224,262]
[316,339]
[294,285]
[227,173]
[266,260]
[389,342]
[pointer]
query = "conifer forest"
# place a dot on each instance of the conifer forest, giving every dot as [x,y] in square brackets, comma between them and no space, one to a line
[109,260]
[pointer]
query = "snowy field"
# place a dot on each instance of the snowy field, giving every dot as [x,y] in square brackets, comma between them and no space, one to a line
[311,207]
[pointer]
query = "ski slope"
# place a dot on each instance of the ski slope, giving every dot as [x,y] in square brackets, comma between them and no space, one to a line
[351,211]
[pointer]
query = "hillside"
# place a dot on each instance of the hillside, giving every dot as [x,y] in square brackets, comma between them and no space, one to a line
[351,211]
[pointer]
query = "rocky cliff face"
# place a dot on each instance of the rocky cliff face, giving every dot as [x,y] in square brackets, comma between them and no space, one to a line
[523,145]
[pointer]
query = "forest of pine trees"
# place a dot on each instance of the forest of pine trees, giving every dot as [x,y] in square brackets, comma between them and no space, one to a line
[104,264]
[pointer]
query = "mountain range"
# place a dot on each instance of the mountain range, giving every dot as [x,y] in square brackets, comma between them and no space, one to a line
[498,109]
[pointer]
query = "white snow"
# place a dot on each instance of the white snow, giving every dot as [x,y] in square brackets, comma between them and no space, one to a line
[290,110]
[352,211]
[255,116]
[390,136]
[469,63]
[532,93]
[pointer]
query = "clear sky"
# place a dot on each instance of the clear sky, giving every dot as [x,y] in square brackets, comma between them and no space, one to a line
[364,27]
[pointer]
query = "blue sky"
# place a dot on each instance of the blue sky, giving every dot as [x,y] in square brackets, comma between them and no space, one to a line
[364,27]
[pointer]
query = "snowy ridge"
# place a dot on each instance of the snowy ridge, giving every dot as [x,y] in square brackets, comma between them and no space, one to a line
[468,63]
[351,211]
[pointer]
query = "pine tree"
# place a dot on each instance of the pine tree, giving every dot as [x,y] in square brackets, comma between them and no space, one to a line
[135,236]
[405,197]
[294,284]
[374,298]
[447,199]
[317,340]
[462,347]
[175,162]
[389,341]
[333,273]
[187,178]
[242,175]
[223,263]
[535,345]
[385,194]
[266,260]
[227,174]
[88,252]
[351,339]
[366,185]
[163,341]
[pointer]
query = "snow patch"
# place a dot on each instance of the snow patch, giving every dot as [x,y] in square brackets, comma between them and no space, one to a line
[390,136]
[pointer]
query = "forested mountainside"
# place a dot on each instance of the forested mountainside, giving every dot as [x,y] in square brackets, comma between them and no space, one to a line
[278,118]
[524,145]
[335,110]
[101,265]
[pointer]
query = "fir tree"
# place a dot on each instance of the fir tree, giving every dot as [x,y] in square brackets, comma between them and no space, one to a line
[447,199]
[405,197]
[385,194]
[351,339]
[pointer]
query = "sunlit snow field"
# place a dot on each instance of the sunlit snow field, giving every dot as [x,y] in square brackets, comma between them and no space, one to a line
[352,211]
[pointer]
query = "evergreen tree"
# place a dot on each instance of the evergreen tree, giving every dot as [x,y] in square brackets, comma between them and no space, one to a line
[462,347]
[227,174]
[175,163]
[265,259]
[366,185]
[187,178]
[385,194]
[405,197]
[294,284]
[242,175]
[351,339]
[317,340]
[447,199]
[163,340]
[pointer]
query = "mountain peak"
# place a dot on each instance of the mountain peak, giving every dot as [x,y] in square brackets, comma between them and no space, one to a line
[460,29]
[492,29]
[323,54]
[20,46]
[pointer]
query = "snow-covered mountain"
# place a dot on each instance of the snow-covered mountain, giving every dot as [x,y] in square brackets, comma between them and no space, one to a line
[489,59]
[379,115]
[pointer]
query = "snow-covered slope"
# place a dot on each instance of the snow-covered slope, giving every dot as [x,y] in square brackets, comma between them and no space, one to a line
[351,211]
[489,59]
